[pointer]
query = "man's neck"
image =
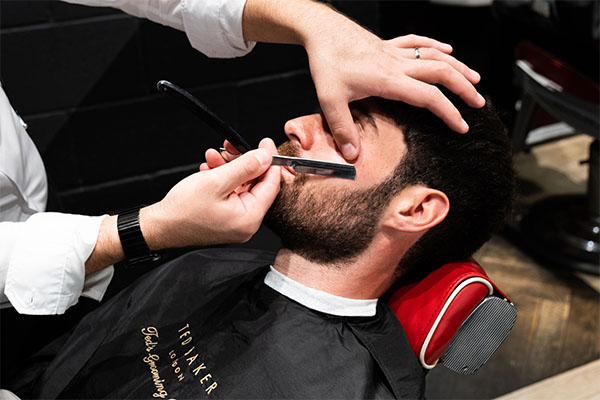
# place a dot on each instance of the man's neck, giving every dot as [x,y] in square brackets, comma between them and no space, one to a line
[368,276]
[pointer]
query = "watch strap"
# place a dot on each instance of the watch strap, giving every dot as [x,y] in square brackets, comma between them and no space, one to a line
[133,242]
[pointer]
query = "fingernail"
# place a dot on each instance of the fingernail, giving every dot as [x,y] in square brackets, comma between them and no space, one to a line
[349,151]
[475,75]
[447,46]
[481,99]
[464,126]
[262,158]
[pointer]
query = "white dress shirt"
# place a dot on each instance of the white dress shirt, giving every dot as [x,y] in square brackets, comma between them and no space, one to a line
[213,27]
[42,255]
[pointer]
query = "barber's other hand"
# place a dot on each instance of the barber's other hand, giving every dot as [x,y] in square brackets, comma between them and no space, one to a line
[205,208]
[349,63]
[352,63]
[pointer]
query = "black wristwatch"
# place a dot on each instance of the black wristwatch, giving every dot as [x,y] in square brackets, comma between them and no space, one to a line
[134,245]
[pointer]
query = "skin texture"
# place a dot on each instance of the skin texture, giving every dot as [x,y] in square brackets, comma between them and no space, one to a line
[353,64]
[405,218]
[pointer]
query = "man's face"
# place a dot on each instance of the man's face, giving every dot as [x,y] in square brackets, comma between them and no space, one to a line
[330,219]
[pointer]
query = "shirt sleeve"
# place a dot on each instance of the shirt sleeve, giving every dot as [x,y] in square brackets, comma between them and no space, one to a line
[214,27]
[42,264]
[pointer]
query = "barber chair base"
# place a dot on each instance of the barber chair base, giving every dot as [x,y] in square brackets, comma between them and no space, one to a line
[561,231]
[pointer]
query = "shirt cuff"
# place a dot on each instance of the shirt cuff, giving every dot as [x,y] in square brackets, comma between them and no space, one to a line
[46,270]
[219,36]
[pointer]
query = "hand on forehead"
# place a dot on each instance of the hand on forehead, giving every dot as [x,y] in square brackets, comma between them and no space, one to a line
[382,142]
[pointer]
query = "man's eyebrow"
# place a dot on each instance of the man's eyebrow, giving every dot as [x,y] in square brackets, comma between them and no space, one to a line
[360,109]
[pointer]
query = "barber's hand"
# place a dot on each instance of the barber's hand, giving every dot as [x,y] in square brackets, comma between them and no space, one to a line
[206,208]
[352,64]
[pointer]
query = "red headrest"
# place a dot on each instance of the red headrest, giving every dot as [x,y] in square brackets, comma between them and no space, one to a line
[432,310]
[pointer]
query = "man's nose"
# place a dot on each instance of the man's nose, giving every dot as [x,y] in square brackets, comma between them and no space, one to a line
[305,129]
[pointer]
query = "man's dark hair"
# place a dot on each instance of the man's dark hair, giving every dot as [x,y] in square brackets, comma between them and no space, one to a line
[474,170]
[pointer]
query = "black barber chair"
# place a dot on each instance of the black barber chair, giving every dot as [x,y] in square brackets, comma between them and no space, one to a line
[561,230]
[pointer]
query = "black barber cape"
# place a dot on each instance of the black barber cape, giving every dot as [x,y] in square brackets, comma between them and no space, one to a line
[206,326]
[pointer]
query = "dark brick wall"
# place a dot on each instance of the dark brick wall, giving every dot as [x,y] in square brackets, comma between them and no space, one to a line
[84,78]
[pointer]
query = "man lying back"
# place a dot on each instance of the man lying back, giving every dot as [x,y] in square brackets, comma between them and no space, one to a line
[223,323]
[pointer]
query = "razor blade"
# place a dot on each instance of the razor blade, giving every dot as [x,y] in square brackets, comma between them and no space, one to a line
[301,165]
[316,167]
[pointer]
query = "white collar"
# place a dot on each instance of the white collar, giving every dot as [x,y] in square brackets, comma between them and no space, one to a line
[319,300]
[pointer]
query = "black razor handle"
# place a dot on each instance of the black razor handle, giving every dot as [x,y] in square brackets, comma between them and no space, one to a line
[201,111]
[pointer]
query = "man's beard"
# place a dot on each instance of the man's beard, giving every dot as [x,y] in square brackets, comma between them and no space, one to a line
[326,224]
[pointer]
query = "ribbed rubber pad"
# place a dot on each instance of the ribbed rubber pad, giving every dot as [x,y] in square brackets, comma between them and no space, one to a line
[480,335]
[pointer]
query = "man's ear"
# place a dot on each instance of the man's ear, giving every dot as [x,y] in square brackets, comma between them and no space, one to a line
[416,209]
